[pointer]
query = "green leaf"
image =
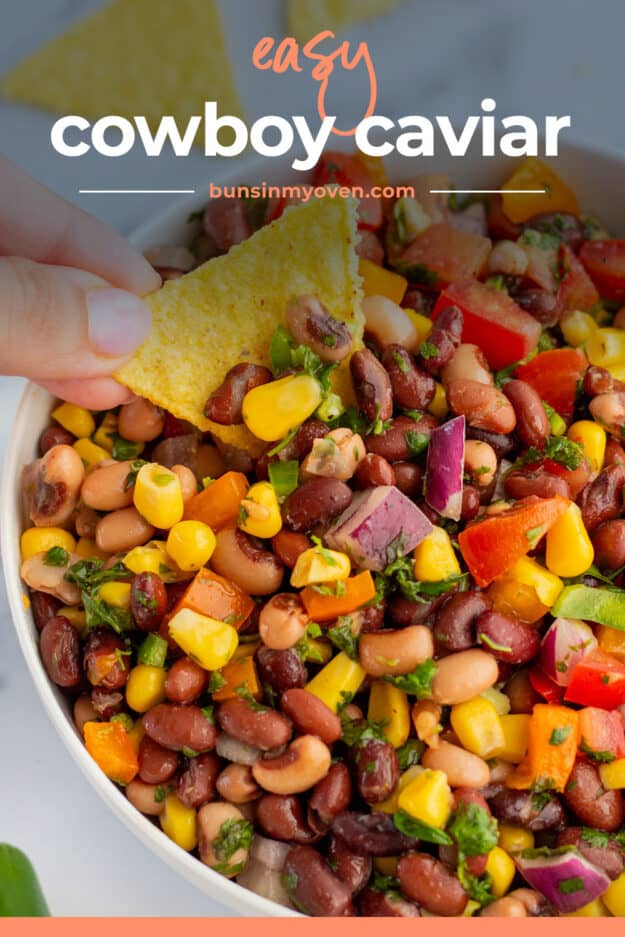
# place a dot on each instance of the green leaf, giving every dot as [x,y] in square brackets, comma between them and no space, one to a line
[343,638]
[473,829]
[98,612]
[233,835]
[419,682]
[560,735]
[418,273]
[478,889]
[557,448]
[280,350]
[134,470]
[216,682]
[246,694]
[416,443]
[56,556]
[601,757]
[409,754]
[357,732]
[569,886]
[595,837]
[123,449]
[410,826]
[428,350]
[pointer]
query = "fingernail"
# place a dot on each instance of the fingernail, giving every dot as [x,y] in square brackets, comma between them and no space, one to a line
[118,321]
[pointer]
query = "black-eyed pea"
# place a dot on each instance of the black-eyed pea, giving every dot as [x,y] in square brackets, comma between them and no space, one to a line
[391,653]
[188,481]
[283,621]
[236,784]
[305,762]
[463,769]
[480,462]
[145,797]
[463,676]
[213,820]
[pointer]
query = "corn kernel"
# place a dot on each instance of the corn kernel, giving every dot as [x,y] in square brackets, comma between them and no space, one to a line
[90,453]
[502,870]
[435,558]
[147,559]
[515,838]
[115,593]
[341,677]
[592,438]
[318,565]
[190,544]
[209,642]
[259,513]
[500,701]
[614,897]
[478,727]
[41,539]
[569,548]
[428,798]
[272,410]
[390,705]
[577,327]
[89,549]
[75,616]
[438,405]
[378,281]
[179,823]
[158,496]
[145,687]
[606,347]
[546,585]
[103,436]
[594,908]
[613,775]
[76,420]
[422,324]
[516,733]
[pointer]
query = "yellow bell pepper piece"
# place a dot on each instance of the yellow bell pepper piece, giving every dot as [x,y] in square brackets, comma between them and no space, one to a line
[378,281]
[209,642]
[617,371]
[179,823]
[577,327]
[422,324]
[516,733]
[390,705]
[614,897]
[515,838]
[103,436]
[391,804]
[272,410]
[501,869]
[438,405]
[41,539]
[428,798]
[594,908]
[527,591]
[341,677]
[435,558]
[158,496]
[115,593]
[592,438]
[259,513]
[569,548]
[89,549]
[145,687]
[75,616]
[190,544]
[611,641]
[318,565]
[552,194]
[613,775]
[478,727]
[606,347]
[76,420]
[90,453]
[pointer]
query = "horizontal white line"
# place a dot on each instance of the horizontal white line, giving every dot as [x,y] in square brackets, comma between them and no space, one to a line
[137,191]
[488,191]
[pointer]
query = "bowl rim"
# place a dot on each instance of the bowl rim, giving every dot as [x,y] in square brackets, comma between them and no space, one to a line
[225,891]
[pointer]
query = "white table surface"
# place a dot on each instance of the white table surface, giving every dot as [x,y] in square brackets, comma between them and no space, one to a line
[432,56]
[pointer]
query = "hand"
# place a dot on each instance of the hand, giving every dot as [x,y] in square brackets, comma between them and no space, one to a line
[70,312]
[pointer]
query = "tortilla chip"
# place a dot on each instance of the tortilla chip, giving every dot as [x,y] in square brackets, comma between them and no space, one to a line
[227,310]
[307,18]
[132,57]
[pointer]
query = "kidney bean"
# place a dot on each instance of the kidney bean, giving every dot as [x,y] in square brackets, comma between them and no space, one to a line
[609,542]
[55,436]
[413,388]
[404,612]
[330,797]
[501,443]
[43,607]
[468,363]
[462,676]
[445,337]
[591,803]
[351,868]
[525,482]
[264,728]
[283,818]
[105,659]
[382,904]
[310,323]
[598,380]
[301,444]
[148,601]
[454,627]
[408,478]
[392,445]
[60,651]
[521,808]
[312,885]
[431,884]
[373,471]
[316,501]
[107,703]
[185,681]
[507,639]
[470,503]
[371,618]
[568,226]
[156,764]
[602,499]
[225,404]
[609,858]
[532,423]
[56,487]
[236,784]
[372,386]
[483,406]
[245,561]
[178,450]
[177,727]
[522,695]
[288,546]
[541,304]
[371,834]
[614,453]
[310,715]
[281,670]
[377,770]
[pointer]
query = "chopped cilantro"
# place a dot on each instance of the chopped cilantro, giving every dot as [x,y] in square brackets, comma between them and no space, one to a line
[387,885]
[401,362]
[410,826]
[534,534]
[493,645]
[162,791]
[343,637]
[216,682]
[557,448]
[595,837]
[357,732]
[478,889]
[134,470]
[419,682]
[233,835]
[418,273]
[569,886]
[189,752]
[560,735]
[123,449]
[246,694]
[209,714]
[284,477]
[304,648]
[416,443]
[601,757]
[546,240]
[409,754]
[473,829]
[428,350]
[56,556]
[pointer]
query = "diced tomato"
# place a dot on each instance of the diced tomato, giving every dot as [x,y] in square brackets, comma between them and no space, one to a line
[576,291]
[554,375]
[492,320]
[443,254]
[342,169]
[545,686]
[598,680]
[605,263]
[601,731]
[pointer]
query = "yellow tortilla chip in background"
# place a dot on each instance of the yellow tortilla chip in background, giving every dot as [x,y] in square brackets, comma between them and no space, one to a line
[227,310]
[307,18]
[146,57]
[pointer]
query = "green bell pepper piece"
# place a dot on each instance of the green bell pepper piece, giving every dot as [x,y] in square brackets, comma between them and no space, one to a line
[20,892]
[604,606]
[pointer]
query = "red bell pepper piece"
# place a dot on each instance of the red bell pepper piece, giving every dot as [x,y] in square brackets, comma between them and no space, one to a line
[443,254]
[598,680]
[601,731]
[491,546]
[545,686]
[554,375]
[605,263]
[341,169]
[576,290]
[492,320]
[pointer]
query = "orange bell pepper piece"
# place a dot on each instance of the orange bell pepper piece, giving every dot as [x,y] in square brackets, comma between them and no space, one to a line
[552,749]
[212,595]
[358,590]
[218,504]
[491,546]
[111,748]
[534,174]
[237,673]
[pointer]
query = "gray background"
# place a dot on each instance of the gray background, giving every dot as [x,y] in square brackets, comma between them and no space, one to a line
[431,56]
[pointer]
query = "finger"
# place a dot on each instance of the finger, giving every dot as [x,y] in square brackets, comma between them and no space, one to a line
[37,224]
[98,393]
[60,324]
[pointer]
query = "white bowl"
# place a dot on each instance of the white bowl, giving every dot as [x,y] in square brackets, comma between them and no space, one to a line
[596,175]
